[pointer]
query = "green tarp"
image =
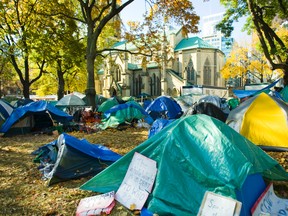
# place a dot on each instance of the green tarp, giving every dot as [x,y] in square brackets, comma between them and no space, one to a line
[284,93]
[194,154]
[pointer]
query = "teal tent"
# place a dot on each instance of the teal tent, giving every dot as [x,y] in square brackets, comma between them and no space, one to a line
[122,113]
[284,93]
[106,105]
[194,154]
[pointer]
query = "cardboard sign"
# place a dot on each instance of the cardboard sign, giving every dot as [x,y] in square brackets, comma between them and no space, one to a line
[96,205]
[269,204]
[216,205]
[137,183]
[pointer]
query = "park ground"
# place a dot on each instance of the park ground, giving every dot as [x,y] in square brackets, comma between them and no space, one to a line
[24,192]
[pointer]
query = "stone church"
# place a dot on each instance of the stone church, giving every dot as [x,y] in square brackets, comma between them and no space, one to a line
[192,62]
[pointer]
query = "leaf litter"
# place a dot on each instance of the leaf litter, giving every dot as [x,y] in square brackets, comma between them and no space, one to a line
[24,192]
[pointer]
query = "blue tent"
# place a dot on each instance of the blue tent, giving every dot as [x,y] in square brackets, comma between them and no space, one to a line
[34,116]
[70,158]
[164,107]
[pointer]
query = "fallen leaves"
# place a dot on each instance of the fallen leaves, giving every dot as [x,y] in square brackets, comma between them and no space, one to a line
[23,192]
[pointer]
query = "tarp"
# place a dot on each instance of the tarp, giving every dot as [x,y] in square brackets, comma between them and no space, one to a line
[41,110]
[284,93]
[193,154]
[106,105]
[122,113]
[249,93]
[263,120]
[158,125]
[217,101]
[164,107]
[71,158]
[210,109]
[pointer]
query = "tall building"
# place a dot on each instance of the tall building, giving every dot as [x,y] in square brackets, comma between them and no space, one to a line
[214,37]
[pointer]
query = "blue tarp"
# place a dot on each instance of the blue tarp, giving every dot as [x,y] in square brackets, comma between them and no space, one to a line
[158,125]
[247,93]
[35,107]
[71,158]
[164,106]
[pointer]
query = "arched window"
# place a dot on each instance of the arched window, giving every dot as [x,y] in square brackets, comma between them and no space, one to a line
[153,85]
[158,91]
[118,74]
[190,71]
[138,85]
[207,73]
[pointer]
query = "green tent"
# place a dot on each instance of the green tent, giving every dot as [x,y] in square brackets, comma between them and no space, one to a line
[122,113]
[194,154]
[284,93]
[106,105]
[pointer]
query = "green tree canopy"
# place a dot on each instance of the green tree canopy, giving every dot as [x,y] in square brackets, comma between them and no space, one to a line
[261,15]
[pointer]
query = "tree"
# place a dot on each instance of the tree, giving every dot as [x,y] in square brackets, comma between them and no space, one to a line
[65,50]
[247,64]
[6,76]
[96,15]
[22,35]
[261,15]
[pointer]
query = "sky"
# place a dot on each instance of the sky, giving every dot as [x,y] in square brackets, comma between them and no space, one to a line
[135,10]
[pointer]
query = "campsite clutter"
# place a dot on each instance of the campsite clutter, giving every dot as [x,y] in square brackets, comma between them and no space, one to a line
[197,152]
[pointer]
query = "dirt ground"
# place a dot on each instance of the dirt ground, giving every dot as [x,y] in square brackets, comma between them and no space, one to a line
[23,192]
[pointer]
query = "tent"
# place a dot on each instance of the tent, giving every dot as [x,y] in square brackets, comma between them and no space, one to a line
[106,105]
[70,158]
[5,110]
[21,102]
[34,116]
[208,109]
[217,101]
[164,107]
[194,154]
[185,101]
[284,93]
[263,120]
[122,113]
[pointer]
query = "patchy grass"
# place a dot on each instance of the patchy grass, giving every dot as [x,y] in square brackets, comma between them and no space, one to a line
[23,192]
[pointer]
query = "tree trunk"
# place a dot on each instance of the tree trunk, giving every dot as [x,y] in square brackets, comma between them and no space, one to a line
[26,87]
[91,56]
[61,81]
[90,91]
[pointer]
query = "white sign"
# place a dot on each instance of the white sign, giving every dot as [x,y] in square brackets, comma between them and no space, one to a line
[138,182]
[96,205]
[269,204]
[216,205]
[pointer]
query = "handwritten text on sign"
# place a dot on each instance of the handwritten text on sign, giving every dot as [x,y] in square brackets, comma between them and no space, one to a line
[137,183]
[217,205]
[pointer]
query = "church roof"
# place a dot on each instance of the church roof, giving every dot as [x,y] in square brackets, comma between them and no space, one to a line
[192,43]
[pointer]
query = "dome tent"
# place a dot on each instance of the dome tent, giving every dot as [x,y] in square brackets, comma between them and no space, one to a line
[193,154]
[263,120]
